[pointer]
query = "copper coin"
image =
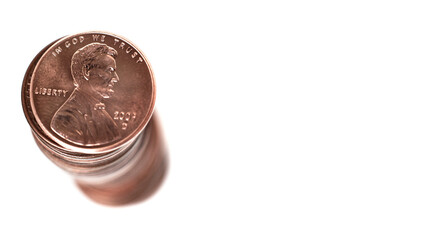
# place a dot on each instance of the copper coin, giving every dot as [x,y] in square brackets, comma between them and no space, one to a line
[89,99]
[91,93]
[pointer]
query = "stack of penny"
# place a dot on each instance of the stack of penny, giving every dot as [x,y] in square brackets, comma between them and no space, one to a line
[89,99]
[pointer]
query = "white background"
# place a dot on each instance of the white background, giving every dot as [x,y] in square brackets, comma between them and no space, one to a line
[285,120]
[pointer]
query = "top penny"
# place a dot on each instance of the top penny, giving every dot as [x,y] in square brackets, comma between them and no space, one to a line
[92,92]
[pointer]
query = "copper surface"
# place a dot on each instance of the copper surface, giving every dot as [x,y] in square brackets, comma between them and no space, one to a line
[89,99]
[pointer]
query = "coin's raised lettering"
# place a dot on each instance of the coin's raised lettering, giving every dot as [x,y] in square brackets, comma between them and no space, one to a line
[128,50]
[124,116]
[97,38]
[57,51]
[50,92]
[74,41]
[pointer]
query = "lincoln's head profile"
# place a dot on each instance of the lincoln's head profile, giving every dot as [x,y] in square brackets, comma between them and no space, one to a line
[93,68]
[82,119]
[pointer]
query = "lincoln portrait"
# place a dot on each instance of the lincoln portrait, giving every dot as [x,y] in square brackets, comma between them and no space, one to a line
[82,119]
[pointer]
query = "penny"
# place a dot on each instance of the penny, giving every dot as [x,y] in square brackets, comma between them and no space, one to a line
[89,99]
[92,92]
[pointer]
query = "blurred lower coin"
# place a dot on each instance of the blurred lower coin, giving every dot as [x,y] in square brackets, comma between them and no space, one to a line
[141,175]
